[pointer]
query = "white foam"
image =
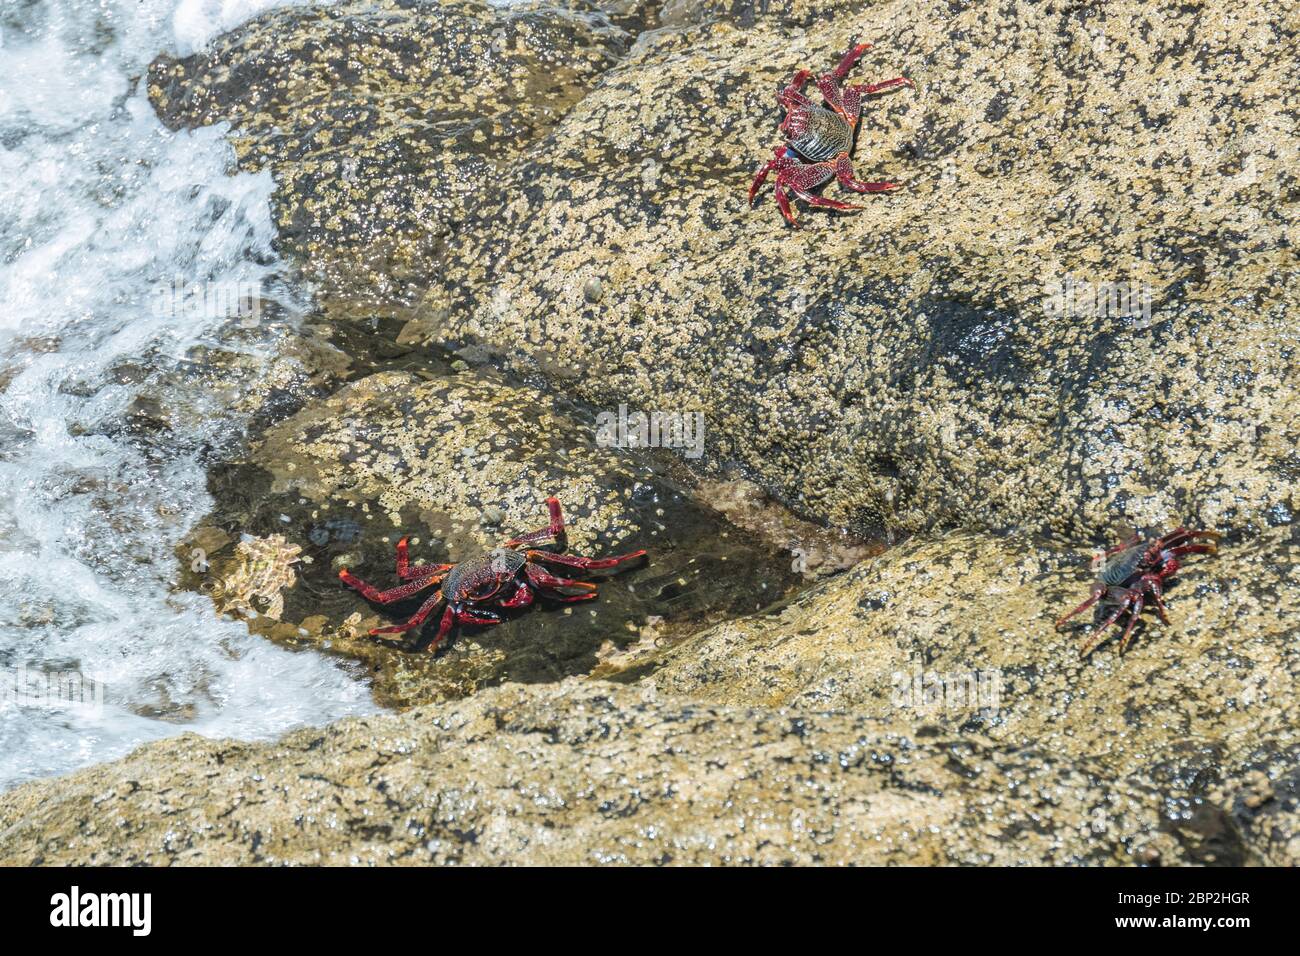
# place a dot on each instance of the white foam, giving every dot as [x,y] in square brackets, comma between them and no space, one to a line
[98,205]
[196,22]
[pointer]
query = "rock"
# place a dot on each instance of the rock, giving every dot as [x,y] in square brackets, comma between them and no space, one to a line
[921,362]
[957,633]
[383,121]
[962,352]
[458,464]
[581,773]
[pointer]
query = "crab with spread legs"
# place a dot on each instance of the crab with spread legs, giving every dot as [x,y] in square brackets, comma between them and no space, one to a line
[818,139]
[1132,571]
[505,577]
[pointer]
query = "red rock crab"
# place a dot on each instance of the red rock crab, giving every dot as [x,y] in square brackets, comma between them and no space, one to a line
[505,577]
[1132,571]
[823,137]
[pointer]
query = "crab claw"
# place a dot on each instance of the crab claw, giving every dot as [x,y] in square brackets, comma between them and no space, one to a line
[761,177]
[846,64]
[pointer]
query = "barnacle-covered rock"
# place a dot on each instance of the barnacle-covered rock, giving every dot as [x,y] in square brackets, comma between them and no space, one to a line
[381,120]
[1075,313]
[587,773]
[956,633]
[459,463]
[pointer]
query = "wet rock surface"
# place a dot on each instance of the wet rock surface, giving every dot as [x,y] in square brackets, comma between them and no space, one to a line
[383,122]
[939,357]
[460,462]
[586,773]
[957,633]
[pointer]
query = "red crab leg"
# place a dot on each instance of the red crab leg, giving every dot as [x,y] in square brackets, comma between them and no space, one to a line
[478,616]
[846,64]
[844,173]
[1179,533]
[829,84]
[760,178]
[1157,592]
[852,96]
[1097,591]
[404,570]
[1172,564]
[783,203]
[391,595]
[417,619]
[1133,619]
[868,88]
[834,96]
[554,530]
[815,200]
[577,561]
[1090,644]
[1180,550]
[543,578]
[522,597]
[792,95]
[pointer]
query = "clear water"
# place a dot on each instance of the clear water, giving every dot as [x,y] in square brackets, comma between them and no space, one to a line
[99,205]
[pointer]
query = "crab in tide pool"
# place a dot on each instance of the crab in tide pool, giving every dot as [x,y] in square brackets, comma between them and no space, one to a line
[1135,570]
[506,577]
[818,139]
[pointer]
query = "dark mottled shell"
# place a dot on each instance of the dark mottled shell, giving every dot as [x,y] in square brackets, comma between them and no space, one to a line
[825,135]
[476,575]
[1124,565]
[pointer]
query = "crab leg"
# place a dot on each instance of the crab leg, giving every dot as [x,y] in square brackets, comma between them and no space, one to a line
[829,84]
[522,597]
[814,200]
[844,173]
[1091,643]
[783,203]
[1098,590]
[846,64]
[866,89]
[1133,619]
[543,578]
[393,594]
[404,570]
[761,176]
[418,618]
[1180,533]
[478,616]
[792,95]
[577,561]
[1153,582]
[555,530]
[1183,549]
[444,628]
